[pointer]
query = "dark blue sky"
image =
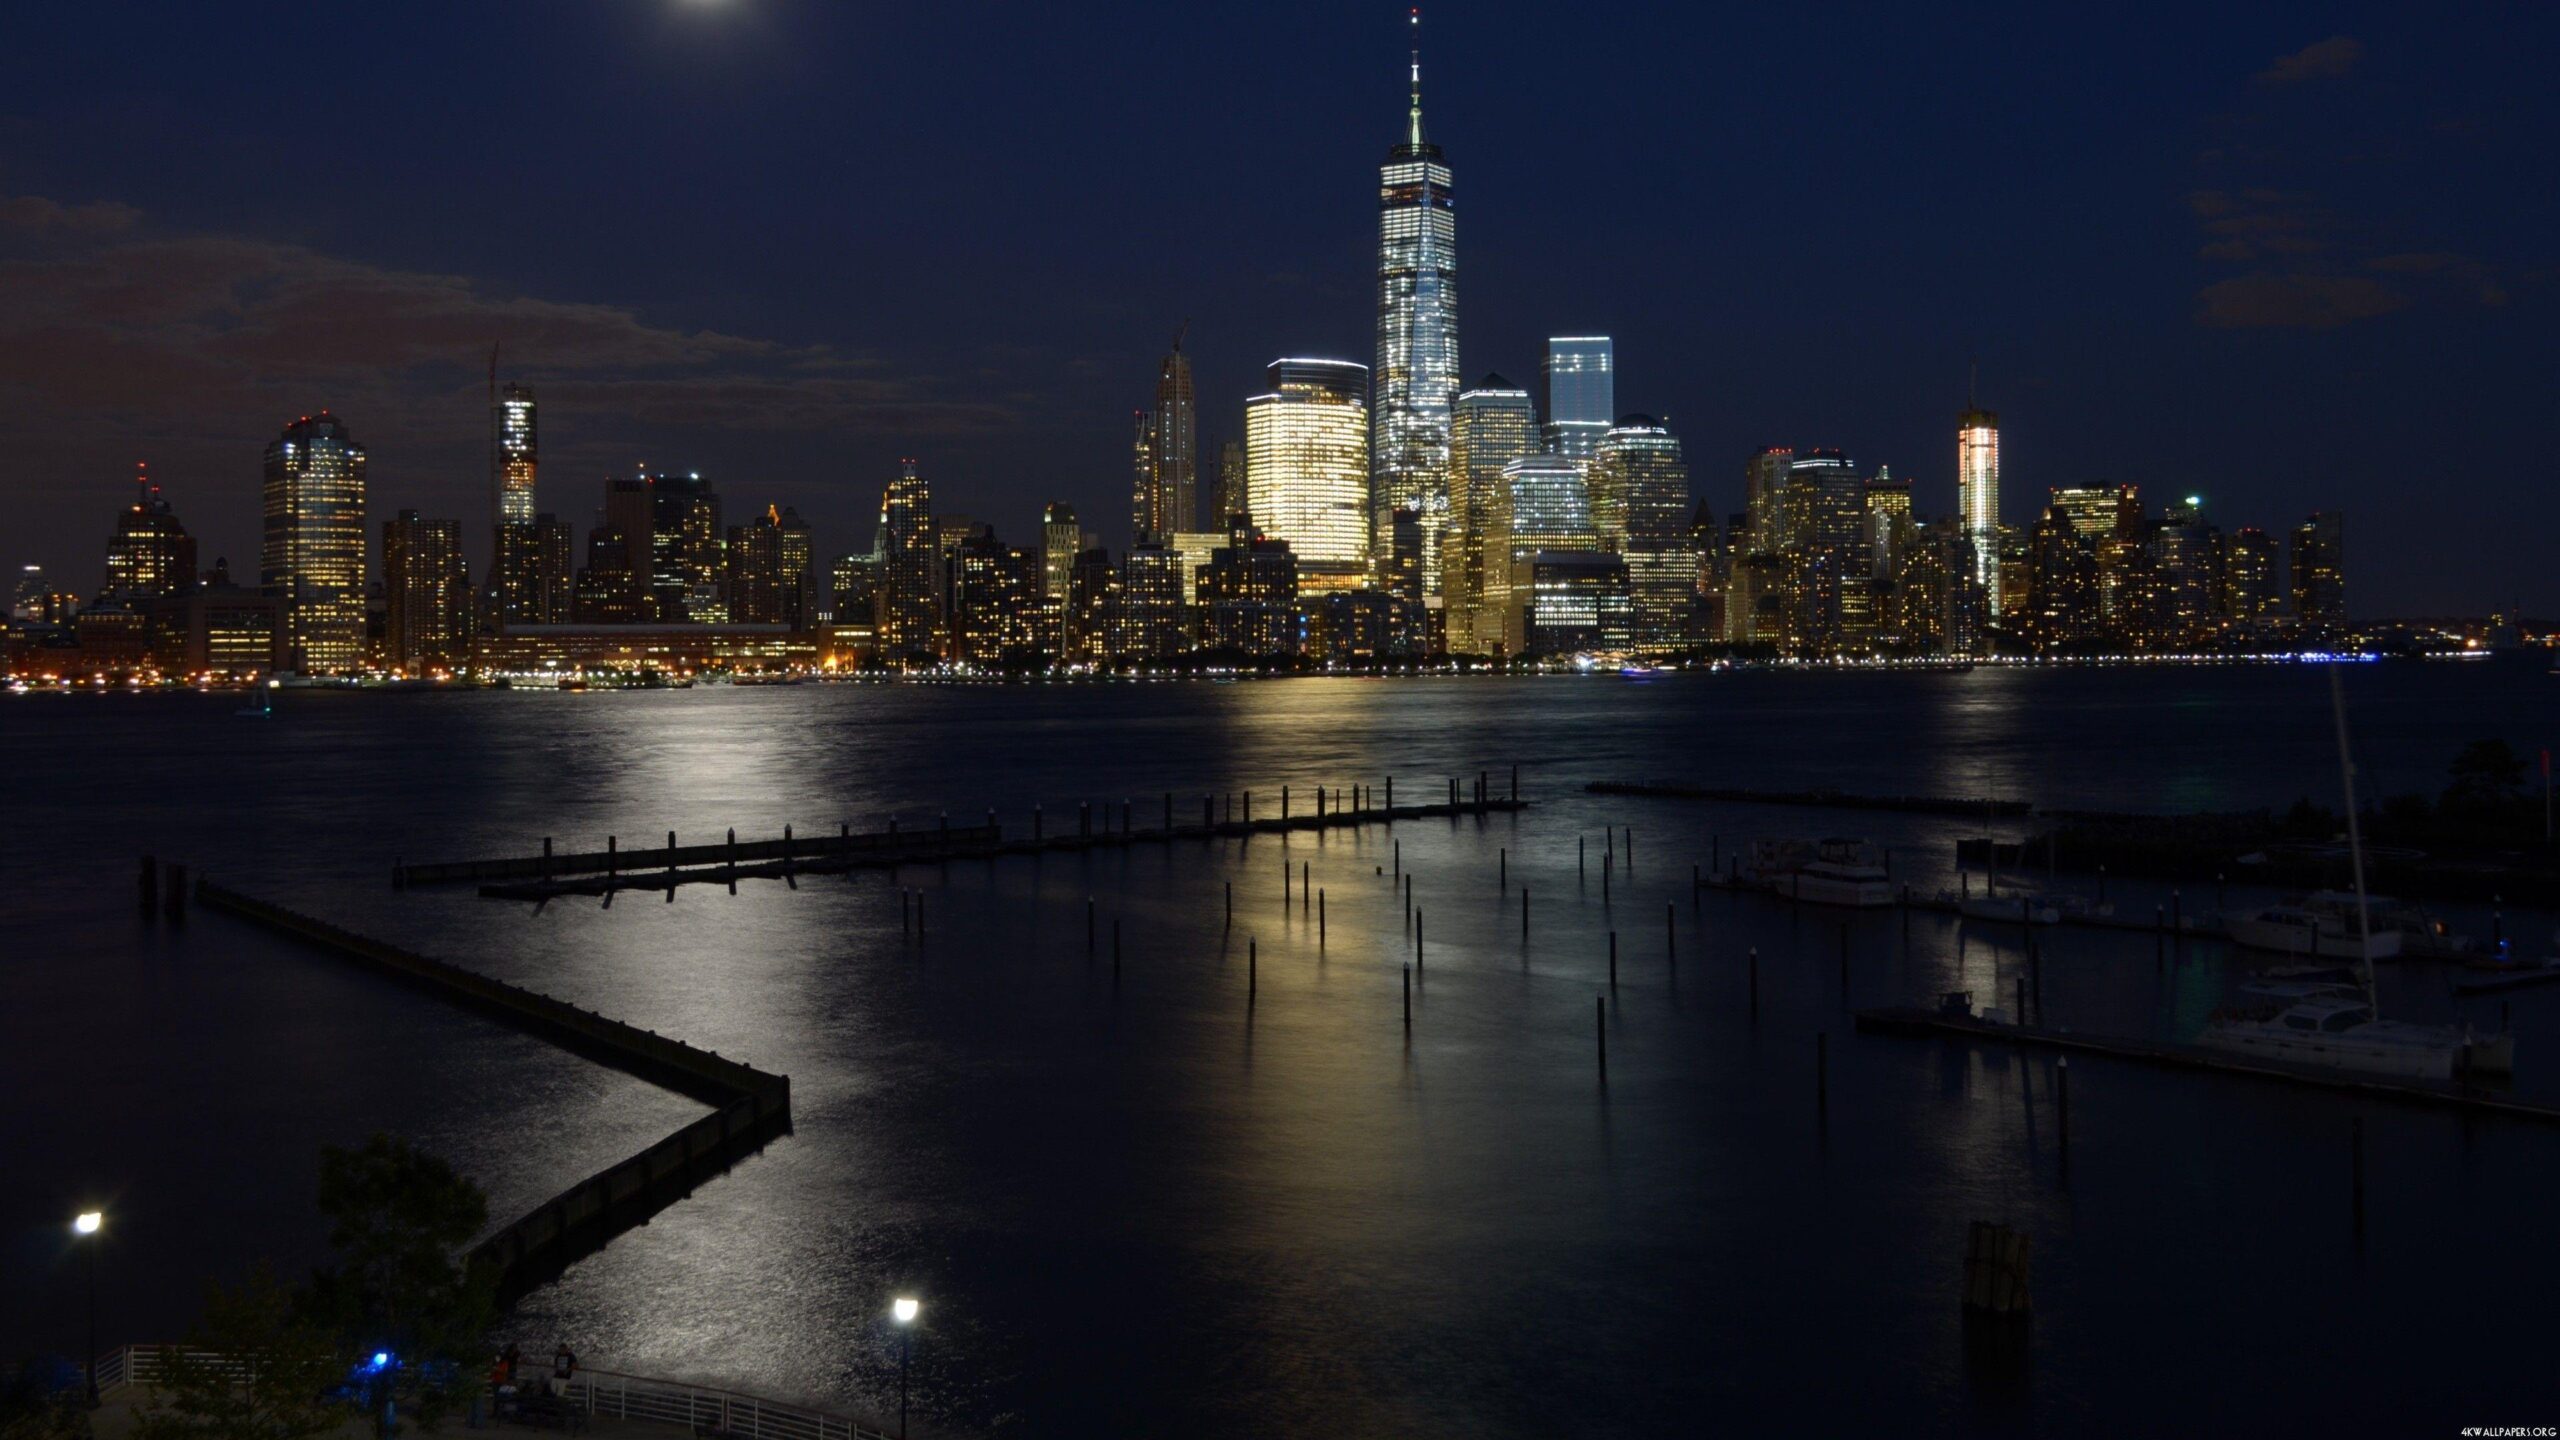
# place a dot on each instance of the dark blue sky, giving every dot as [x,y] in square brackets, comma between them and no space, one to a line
[2288,257]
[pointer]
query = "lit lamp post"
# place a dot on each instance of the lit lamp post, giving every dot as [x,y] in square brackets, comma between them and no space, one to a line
[85,1226]
[904,1309]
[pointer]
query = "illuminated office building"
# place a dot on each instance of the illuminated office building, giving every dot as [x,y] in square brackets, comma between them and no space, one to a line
[688,549]
[515,452]
[1248,595]
[1142,473]
[995,603]
[312,550]
[1230,501]
[2320,574]
[536,576]
[2249,592]
[771,575]
[1978,497]
[1093,591]
[910,557]
[1889,521]
[1061,539]
[1550,505]
[1149,619]
[151,556]
[2061,609]
[1168,453]
[1577,602]
[1639,487]
[1764,494]
[1582,393]
[1416,382]
[426,594]
[1493,424]
[1307,467]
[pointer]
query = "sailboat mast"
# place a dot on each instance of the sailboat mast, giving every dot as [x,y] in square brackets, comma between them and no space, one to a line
[2355,838]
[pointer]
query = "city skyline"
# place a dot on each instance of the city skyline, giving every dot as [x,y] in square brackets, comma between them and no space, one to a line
[2069,419]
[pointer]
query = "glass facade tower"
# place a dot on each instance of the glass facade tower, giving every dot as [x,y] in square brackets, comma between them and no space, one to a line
[1416,381]
[1495,424]
[1582,393]
[1978,497]
[312,547]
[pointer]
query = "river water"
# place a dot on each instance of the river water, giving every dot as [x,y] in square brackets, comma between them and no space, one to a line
[1149,1207]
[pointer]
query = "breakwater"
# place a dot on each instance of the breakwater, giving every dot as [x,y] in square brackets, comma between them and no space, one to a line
[751,1105]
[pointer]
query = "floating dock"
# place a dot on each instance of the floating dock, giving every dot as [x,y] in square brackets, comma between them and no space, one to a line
[1913,1020]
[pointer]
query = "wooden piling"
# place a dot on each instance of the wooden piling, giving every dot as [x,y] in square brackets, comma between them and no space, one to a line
[1305,869]
[1417,937]
[546,852]
[1284,802]
[1502,869]
[1319,919]
[2062,1106]
[1408,999]
[1252,969]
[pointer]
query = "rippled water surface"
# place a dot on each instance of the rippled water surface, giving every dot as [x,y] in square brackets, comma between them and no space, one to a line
[1144,1203]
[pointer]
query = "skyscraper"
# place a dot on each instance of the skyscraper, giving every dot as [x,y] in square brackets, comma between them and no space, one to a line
[1230,500]
[426,594]
[1492,425]
[1061,539]
[911,598]
[1307,467]
[2319,572]
[312,549]
[513,444]
[1978,497]
[151,556]
[772,573]
[1169,458]
[1417,374]
[1142,475]
[1582,393]
[1640,504]
[687,546]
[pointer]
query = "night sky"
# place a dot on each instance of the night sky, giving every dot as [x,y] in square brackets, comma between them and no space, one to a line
[2287,257]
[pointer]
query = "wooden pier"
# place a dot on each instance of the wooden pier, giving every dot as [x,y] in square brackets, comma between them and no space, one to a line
[612,870]
[1912,1020]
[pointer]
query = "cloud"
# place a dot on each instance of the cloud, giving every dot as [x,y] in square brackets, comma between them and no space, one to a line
[2331,59]
[99,314]
[2267,300]
[35,215]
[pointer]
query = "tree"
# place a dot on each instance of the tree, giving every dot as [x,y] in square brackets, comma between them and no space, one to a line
[2487,776]
[399,1285]
[41,1403]
[252,1369]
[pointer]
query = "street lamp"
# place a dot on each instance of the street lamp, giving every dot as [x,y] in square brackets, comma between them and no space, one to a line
[903,1309]
[85,1225]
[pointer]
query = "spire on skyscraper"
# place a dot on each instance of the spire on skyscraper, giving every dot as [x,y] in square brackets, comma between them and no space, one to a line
[1414,135]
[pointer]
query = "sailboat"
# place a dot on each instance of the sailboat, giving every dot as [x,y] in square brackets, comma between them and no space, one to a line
[2340,1027]
[266,705]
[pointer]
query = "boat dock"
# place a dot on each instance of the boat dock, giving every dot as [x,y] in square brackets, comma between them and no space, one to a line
[613,869]
[1913,1020]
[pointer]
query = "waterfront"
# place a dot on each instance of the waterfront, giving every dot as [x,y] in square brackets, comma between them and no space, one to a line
[1128,1204]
